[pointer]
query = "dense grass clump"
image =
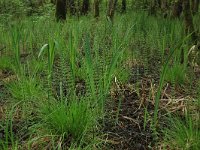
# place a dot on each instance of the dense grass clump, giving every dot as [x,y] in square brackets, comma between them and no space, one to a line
[184,132]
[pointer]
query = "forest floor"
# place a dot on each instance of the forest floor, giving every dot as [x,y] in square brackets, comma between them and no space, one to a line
[128,120]
[130,128]
[127,123]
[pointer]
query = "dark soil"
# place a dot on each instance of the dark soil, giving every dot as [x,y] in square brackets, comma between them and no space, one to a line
[124,123]
[125,129]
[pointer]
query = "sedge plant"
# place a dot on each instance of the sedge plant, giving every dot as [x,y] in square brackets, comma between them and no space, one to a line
[51,47]
[9,140]
[183,132]
[69,120]
[161,82]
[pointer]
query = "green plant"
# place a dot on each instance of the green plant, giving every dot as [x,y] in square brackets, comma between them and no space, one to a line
[6,63]
[176,74]
[51,55]
[27,89]
[99,94]
[90,68]
[183,133]
[162,78]
[123,74]
[81,66]
[16,39]
[12,7]
[71,120]
[9,140]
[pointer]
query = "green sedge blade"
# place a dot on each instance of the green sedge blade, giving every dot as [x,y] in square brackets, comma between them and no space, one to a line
[42,49]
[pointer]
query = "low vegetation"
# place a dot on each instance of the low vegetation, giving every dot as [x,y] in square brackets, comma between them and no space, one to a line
[112,79]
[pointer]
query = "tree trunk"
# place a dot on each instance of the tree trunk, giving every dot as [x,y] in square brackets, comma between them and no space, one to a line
[85,7]
[61,10]
[192,6]
[96,8]
[123,6]
[164,8]
[164,4]
[177,8]
[195,6]
[189,26]
[159,2]
[111,9]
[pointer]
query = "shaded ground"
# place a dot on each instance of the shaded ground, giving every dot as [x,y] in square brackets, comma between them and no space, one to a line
[128,129]
[124,124]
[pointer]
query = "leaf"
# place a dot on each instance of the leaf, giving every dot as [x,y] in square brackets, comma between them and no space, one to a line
[42,49]
[56,44]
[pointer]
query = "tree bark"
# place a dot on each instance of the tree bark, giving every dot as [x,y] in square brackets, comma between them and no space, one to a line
[85,7]
[195,6]
[61,10]
[164,4]
[111,9]
[159,2]
[96,8]
[123,6]
[177,8]
[188,21]
[164,8]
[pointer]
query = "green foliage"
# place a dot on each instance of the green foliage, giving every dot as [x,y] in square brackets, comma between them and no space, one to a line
[26,89]
[183,133]
[176,74]
[67,119]
[51,55]
[16,39]
[12,7]
[6,63]
[123,75]
[81,65]
[9,140]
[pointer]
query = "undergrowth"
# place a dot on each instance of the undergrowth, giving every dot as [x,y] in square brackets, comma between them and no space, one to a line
[64,73]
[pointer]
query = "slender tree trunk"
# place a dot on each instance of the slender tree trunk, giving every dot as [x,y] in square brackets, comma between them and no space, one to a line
[159,3]
[164,8]
[85,7]
[111,9]
[123,6]
[96,8]
[61,10]
[177,8]
[192,6]
[195,6]
[188,21]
